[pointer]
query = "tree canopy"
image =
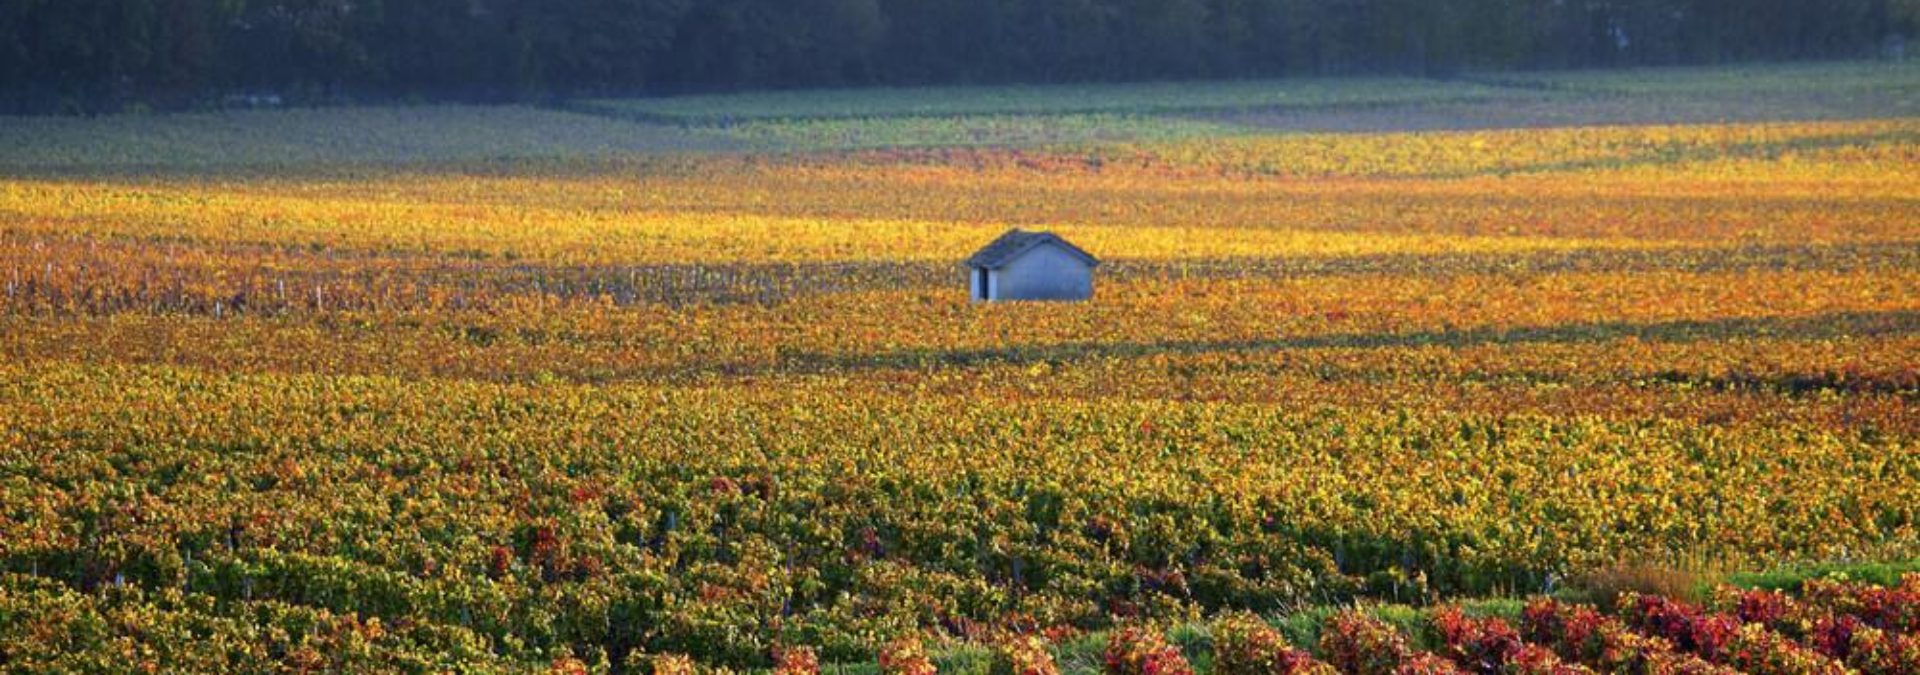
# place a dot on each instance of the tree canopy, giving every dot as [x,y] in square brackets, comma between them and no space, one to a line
[86,55]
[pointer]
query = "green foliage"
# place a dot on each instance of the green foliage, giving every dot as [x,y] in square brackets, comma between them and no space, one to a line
[1409,621]
[1503,608]
[45,626]
[1791,578]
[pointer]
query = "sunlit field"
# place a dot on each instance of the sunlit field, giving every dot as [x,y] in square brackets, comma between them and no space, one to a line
[629,393]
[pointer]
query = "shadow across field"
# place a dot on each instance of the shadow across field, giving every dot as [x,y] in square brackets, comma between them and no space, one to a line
[1835,257]
[277,280]
[1814,327]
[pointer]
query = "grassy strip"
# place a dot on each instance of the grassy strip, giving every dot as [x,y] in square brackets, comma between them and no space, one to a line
[1171,98]
[1830,78]
[280,141]
[1790,578]
[1156,98]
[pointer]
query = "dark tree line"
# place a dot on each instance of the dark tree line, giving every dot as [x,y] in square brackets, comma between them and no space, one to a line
[79,55]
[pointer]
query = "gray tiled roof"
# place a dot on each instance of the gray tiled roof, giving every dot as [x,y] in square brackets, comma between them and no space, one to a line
[1016,242]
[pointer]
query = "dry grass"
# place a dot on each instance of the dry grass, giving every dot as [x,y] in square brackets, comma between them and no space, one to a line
[1686,578]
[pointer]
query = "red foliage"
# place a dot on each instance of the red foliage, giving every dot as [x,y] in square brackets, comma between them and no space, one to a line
[1582,634]
[499,562]
[1894,609]
[1769,608]
[905,657]
[795,661]
[1245,645]
[1140,651]
[1427,663]
[1722,638]
[1362,645]
[1478,645]
[1867,649]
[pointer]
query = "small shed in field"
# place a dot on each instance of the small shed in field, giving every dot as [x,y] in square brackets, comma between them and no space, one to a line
[1024,265]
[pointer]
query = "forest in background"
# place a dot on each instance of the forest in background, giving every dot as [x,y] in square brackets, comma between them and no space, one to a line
[92,56]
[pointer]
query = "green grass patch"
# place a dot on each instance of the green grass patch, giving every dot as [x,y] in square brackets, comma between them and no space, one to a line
[1829,78]
[277,140]
[1792,577]
[1136,98]
[972,130]
[1013,116]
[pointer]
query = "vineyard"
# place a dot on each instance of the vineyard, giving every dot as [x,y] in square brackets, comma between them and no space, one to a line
[1833,627]
[567,397]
